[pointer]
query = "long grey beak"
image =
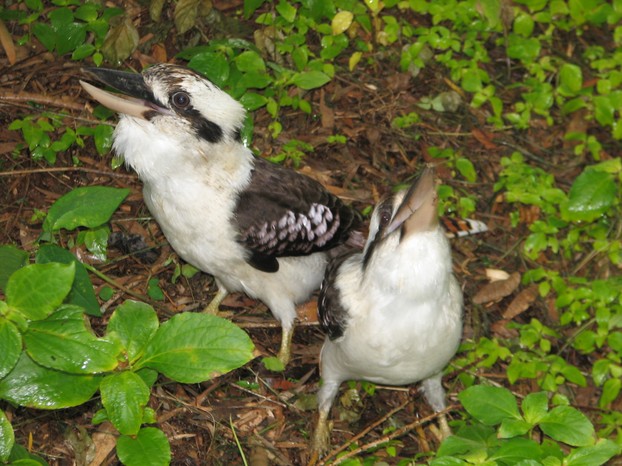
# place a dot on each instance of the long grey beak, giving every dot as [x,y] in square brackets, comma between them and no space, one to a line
[137,99]
[418,210]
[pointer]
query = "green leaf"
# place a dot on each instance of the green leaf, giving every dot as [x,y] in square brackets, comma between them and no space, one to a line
[595,455]
[286,10]
[7,437]
[21,456]
[592,194]
[36,290]
[10,346]
[134,323]
[150,447]
[535,406]
[11,259]
[466,169]
[124,395]
[474,440]
[310,79]
[89,206]
[250,61]
[568,425]
[341,22]
[489,405]
[82,293]
[154,291]
[35,386]
[62,342]
[515,450]
[46,35]
[253,101]
[273,364]
[191,348]
[510,428]
[69,37]
[102,137]
[213,65]
[570,79]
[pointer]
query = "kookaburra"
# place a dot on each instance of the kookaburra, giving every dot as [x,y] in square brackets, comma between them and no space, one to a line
[392,313]
[257,227]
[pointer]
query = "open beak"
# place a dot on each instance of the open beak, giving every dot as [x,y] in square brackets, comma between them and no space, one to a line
[136,98]
[418,210]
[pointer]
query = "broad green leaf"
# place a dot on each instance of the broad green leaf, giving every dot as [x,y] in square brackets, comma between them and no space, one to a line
[474,440]
[7,437]
[250,6]
[62,342]
[568,425]
[524,49]
[150,447]
[35,386]
[82,293]
[253,101]
[592,194]
[124,395]
[121,40]
[489,405]
[89,206]
[134,323]
[102,136]
[155,10]
[310,79]
[10,346]
[186,12]
[69,37]
[191,348]
[341,22]
[611,390]
[535,406]
[517,449]
[46,35]
[511,428]
[11,259]
[250,61]
[595,455]
[36,290]
[21,456]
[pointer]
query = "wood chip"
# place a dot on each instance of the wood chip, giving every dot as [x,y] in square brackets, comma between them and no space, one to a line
[497,290]
[521,302]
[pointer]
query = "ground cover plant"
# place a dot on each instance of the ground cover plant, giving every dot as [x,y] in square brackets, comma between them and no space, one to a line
[517,102]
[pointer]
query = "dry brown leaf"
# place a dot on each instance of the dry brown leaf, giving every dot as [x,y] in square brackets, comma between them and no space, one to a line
[521,302]
[105,440]
[7,43]
[121,40]
[497,290]
[484,139]
[186,13]
[500,329]
[307,312]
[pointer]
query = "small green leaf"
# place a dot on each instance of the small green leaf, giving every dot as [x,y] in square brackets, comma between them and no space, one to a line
[36,290]
[154,291]
[310,79]
[150,447]
[592,194]
[273,364]
[570,79]
[213,65]
[250,61]
[124,395]
[535,406]
[69,37]
[135,324]
[102,137]
[46,35]
[466,169]
[286,10]
[568,425]
[7,437]
[10,346]
[62,342]
[81,293]
[192,348]
[11,259]
[510,428]
[35,386]
[89,206]
[489,405]
[341,22]
[516,450]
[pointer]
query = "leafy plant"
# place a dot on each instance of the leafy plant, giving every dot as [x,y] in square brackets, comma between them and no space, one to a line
[52,360]
[497,432]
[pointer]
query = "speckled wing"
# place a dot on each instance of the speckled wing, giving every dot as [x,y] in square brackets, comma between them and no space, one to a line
[333,317]
[282,213]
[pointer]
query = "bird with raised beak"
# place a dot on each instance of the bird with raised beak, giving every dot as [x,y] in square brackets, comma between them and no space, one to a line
[392,313]
[257,227]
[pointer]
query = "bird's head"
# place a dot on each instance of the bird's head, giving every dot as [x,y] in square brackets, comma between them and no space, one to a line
[404,216]
[171,97]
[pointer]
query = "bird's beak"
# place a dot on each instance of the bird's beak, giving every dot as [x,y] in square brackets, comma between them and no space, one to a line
[137,100]
[418,210]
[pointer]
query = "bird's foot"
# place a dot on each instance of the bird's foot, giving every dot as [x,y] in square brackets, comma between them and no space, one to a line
[443,431]
[214,306]
[320,443]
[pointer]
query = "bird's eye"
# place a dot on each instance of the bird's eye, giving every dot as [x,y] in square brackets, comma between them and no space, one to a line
[180,99]
[385,215]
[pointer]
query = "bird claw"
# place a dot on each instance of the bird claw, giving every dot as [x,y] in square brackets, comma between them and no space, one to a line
[214,306]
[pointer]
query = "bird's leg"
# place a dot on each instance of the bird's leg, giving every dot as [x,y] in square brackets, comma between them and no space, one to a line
[286,344]
[435,395]
[321,437]
[213,306]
